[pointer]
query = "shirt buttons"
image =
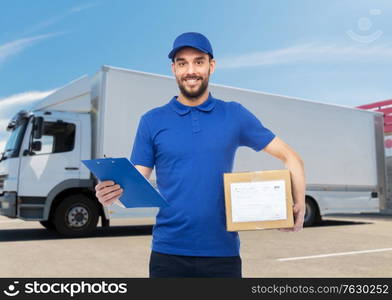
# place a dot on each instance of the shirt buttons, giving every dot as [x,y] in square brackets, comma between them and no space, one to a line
[194,114]
[195,120]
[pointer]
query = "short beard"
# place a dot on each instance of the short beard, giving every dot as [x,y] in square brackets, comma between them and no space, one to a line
[196,94]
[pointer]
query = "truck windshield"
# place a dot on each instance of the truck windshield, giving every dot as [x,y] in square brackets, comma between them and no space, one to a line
[14,141]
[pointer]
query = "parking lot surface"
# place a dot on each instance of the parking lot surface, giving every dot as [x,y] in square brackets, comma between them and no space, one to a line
[340,246]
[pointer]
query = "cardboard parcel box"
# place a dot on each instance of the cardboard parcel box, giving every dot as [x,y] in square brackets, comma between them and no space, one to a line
[258,200]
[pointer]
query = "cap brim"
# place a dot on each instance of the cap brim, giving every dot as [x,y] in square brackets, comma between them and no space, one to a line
[175,50]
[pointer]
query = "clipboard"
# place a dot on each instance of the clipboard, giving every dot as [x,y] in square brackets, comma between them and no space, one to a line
[137,190]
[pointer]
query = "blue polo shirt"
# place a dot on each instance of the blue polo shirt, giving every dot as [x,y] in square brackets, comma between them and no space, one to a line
[191,147]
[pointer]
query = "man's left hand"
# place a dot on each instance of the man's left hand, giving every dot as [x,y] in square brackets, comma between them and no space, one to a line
[299,215]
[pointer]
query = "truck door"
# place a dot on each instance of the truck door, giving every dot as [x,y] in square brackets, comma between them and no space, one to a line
[58,160]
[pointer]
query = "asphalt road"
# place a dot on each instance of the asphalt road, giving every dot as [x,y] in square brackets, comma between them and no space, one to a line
[340,246]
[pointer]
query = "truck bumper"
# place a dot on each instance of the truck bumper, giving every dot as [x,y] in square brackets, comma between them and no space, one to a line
[8,204]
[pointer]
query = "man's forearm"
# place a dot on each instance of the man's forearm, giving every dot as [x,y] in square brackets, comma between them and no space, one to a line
[297,173]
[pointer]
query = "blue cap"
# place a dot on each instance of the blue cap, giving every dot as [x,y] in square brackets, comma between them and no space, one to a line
[191,39]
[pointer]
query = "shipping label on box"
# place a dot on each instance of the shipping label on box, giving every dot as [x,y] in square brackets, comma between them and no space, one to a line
[258,200]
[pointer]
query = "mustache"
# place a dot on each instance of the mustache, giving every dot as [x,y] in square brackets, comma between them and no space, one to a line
[192,77]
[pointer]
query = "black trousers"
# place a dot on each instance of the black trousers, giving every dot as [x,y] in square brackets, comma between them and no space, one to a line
[169,265]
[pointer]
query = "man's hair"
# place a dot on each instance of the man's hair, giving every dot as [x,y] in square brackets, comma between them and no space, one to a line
[209,57]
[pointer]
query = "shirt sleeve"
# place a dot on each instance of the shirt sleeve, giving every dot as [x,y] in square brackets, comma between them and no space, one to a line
[252,134]
[143,147]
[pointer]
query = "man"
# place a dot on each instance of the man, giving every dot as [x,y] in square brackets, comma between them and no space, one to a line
[191,141]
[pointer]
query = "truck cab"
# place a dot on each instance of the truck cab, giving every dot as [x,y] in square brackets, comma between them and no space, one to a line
[41,177]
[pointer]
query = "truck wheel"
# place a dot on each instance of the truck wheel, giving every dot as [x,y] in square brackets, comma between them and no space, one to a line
[47,224]
[76,216]
[311,213]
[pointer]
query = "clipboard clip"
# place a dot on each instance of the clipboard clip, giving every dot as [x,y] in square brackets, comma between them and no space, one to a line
[104,157]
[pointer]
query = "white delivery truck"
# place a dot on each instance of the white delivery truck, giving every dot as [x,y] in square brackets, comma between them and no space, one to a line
[43,179]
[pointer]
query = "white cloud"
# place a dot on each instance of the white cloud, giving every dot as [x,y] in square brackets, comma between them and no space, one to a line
[58,18]
[2,145]
[23,98]
[3,124]
[12,48]
[83,7]
[3,133]
[12,104]
[44,24]
[311,52]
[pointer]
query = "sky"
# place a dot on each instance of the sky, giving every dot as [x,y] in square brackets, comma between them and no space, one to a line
[332,51]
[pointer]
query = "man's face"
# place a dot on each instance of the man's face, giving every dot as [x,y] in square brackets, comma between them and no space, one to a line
[192,69]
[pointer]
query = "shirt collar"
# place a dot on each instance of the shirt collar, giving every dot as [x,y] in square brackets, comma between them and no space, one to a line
[183,109]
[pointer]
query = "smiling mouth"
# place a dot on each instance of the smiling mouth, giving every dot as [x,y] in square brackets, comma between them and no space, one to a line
[192,81]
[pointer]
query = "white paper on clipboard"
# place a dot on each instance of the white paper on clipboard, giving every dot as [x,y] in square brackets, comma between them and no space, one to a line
[258,201]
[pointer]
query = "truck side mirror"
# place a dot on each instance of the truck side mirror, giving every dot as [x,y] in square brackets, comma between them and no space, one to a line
[36,146]
[37,127]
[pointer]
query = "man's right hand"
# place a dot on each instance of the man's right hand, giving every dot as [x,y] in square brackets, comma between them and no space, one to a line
[108,192]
